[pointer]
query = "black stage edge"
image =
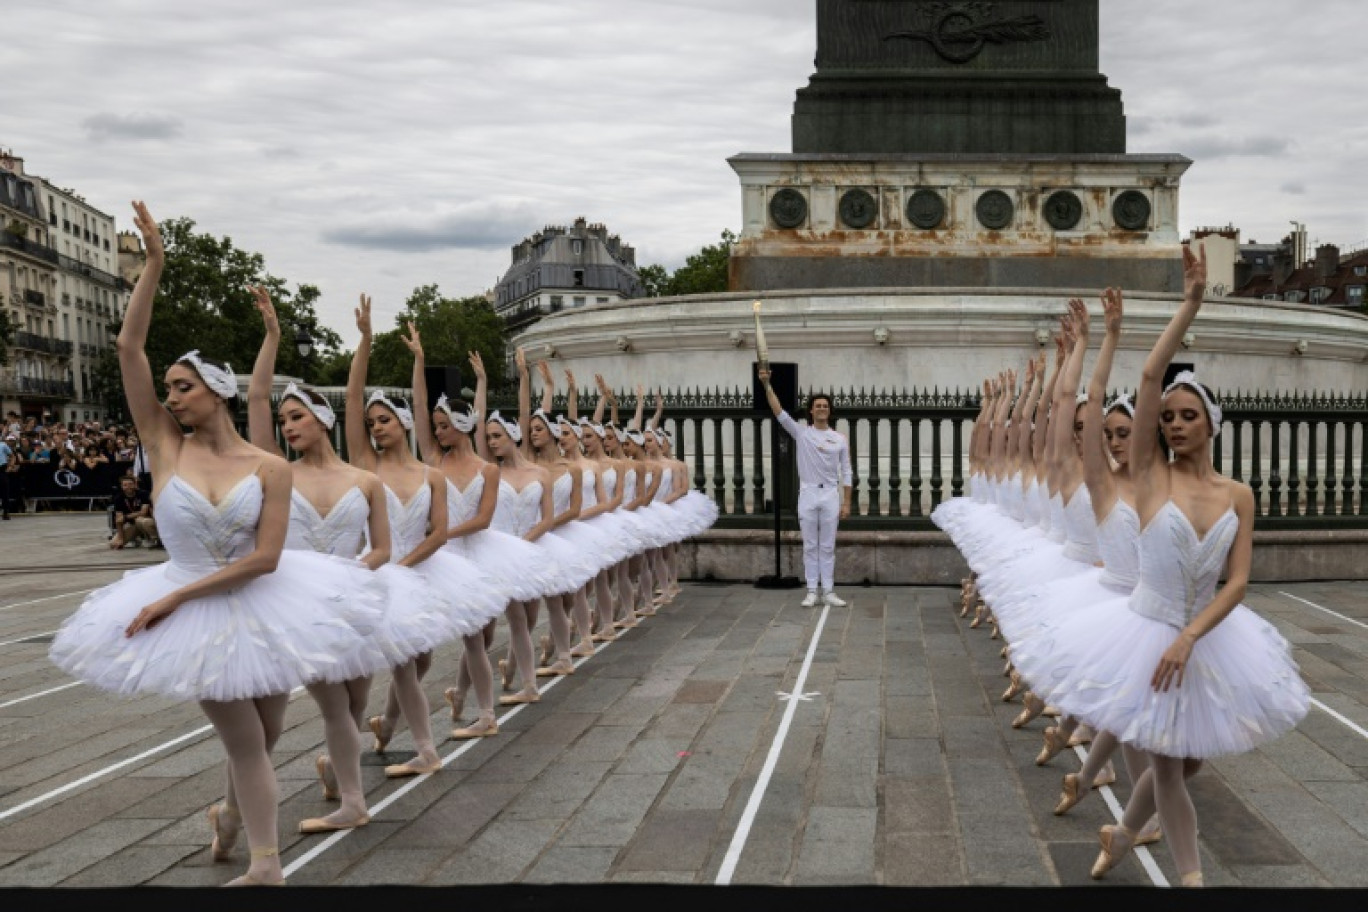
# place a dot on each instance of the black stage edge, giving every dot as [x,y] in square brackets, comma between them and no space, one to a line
[779,441]
[686,898]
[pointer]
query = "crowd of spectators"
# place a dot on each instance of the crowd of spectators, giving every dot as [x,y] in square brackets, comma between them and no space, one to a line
[81,448]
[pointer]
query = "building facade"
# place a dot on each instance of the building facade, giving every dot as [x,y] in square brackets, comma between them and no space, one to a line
[562,268]
[60,285]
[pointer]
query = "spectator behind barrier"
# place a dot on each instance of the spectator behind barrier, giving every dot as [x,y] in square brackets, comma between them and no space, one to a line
[134,525]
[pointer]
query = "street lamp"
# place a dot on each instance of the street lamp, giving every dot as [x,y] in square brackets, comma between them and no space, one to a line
[304,342]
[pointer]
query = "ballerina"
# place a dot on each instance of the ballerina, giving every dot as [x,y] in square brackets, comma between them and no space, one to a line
[377,440]
[628,479]
[231,620]
[472,486]
[523,508]
[1179,669]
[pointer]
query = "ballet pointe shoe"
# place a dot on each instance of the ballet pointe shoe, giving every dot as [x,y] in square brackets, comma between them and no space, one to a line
[1151,834]
[225,838]
[1081,735]
[312,826]
[522,696]
[604,635]
[583,650]
[1016,687]
[628,622]
[382,737]
[1106,777]
[556,669]
[483,728]
[547,653]
[415,767]
[1070,794]
[1191,879]
[1050,711]
[1005,652]
[506,674]
[248,880]
[1116,841]
[1054,743]
[1033,706]
[996,634]
[979,611]
[1007,669]
[455,698]
[325,775]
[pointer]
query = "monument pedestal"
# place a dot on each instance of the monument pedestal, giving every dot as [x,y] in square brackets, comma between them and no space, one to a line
[934,220]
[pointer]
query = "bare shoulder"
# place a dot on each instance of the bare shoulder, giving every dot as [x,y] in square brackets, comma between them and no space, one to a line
[272,466]
[490,472]
[1241,494]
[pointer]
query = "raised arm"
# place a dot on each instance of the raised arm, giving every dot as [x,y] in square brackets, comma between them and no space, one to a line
[1042,412]
[654,423]
[156,427]
[604,396]
[775,405]
[359,451]
[571,397]
[1066,395]
[260,426]
[548,396]
[1144,452]
[481,402]
[524,401]
[640,408]
[1034,383]
[1097,474]
[428,449]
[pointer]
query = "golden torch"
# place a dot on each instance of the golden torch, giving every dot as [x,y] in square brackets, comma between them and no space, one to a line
[761,349]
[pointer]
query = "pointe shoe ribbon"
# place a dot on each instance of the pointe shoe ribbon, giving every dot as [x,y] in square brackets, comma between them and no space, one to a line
[314,825]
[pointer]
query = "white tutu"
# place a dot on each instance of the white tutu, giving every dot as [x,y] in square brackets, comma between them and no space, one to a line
[307,621]
[1241,687]
[574,568]
[469,599]
[699,510]
[518,568]
[622,538]
[667,523]
[416,618]
[597,549]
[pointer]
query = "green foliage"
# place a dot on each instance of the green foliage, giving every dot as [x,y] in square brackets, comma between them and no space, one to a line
[450,328]
[7,329]
[705,272]
[203,303]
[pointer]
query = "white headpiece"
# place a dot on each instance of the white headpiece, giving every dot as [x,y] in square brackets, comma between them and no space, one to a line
[221,380]
[465,422]
[1081,399]
[550,423]
[404,415]
[509,427]
[323,412]
[596,428]
[612,430]
[1188,380]
[573,426]
[1122,402]
[636,437]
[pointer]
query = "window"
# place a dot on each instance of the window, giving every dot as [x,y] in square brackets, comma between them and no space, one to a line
[579,278]
[557,302]
[579,300]
[601,300]
[577,247]
[1354,294]
[1272,297]
[1296,297]
[1361,271]
[1319,294]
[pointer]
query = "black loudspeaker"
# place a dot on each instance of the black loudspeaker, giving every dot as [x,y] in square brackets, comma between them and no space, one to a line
[442,379]
[1173,370]
[784,382]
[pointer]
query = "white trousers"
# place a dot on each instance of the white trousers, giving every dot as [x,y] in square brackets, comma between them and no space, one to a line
[819,509]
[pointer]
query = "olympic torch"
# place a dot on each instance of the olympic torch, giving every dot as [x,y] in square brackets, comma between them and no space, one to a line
[761,349]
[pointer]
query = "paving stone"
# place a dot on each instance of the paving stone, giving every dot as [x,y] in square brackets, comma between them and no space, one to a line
[922,860]
[59,861]
[499,855]
[573,864]
[837,844]
[612,814]
[673,840]
[133,866]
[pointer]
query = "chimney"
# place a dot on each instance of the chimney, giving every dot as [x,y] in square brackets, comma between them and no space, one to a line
[581,224]
[1284,264]
[1327,260]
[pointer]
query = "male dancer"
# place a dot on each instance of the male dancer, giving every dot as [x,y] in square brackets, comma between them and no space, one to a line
[823,489]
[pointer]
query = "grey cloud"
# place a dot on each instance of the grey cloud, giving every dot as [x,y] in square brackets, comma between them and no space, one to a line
[483,228]
[1212,147]
[1296,188]
[131,126]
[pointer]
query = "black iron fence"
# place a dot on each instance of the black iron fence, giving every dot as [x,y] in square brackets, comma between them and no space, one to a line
[1303,455]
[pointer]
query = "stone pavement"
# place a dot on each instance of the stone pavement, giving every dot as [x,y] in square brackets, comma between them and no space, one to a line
[899,767]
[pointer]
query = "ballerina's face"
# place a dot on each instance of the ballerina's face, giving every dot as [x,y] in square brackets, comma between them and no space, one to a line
[444,430]
[187,397]
[539,433]
[570,444]
[1184,423]
[593,445]
[1078,429]
[301,428]
[500,444]
[1117,431]
[384,427]
[613,446]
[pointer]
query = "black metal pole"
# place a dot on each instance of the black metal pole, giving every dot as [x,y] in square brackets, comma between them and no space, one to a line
[777,581]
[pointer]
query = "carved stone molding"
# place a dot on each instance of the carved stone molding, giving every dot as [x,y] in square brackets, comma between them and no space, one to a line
[1063,210]
[926,209]
[995,210]
[1131,210]
[858,209]
[788,208]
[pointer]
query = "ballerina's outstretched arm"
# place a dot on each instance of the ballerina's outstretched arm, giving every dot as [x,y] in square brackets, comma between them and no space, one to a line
[1097,473]
[260,426]
[429,450]
[359,450]
[481,404]
[159,432]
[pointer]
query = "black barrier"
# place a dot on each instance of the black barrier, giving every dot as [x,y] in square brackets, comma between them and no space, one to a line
[39,483]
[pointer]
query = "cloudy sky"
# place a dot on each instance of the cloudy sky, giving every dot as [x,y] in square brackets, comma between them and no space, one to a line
[380,146]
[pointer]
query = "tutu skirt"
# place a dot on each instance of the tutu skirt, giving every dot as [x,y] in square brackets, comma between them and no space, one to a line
[312,619]
[574,567]
[468,599]
[1241,687]
[517,567]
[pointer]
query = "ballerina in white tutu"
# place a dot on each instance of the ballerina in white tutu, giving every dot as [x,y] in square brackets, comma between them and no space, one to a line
[377,440]
[629,478]
[1180,668]
[231,620]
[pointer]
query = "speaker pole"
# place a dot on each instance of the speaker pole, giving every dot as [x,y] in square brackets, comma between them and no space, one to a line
[778,443]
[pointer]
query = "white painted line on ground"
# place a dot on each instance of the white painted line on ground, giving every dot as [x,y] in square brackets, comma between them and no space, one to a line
[1340,718]
[46,599]
[101,773]
[738,843]
[30,637]
[1147,861]
[334,838]
[44,693]
[1342,617]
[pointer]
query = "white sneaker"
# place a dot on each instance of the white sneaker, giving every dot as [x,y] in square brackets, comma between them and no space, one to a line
[810,601]
[831,601]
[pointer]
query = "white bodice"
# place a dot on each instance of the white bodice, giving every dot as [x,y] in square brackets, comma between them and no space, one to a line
[561,490]
[463,505]
[517,511]
[1058,531]
[1178,570]
[629,482]
[341,533]
[1043,507]
[588,496]
[202,538]
[666,486]
[610,482]
[1118,542]
[408,521]
[1015,502]
[1080,528]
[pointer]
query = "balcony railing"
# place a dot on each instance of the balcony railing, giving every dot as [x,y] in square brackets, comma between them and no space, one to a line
[85,269]
[35,297]
[24,245]
[34,342]
[34,387]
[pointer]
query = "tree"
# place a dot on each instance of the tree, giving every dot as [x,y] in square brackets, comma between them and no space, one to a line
[203,303]
[450,328]
[705,272]
[7,329]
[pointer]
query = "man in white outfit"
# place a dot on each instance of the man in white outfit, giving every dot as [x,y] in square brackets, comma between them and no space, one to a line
[823,489]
